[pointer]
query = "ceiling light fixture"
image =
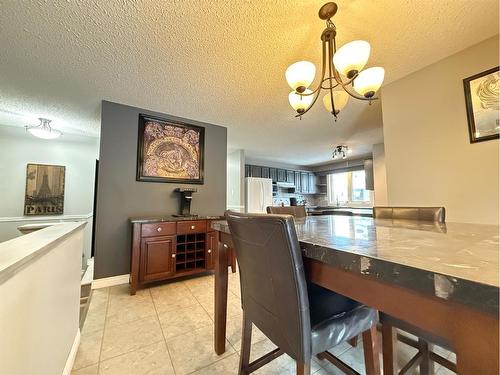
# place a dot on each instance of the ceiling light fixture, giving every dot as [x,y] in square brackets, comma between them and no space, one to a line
[44,130]
[347,61]
[340,151]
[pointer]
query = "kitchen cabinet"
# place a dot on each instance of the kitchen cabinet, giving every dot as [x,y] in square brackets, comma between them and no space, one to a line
[312,183]
[298,184]
[290,176]
[304,180]
[272,174]
[256,171]
[265,172]
[281,175]
[247,171]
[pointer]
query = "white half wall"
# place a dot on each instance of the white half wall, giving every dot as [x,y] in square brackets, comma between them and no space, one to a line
[429,159]
[39,312]
[78,154]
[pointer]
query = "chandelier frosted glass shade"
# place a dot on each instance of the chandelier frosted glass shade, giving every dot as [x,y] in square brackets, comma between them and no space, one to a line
[369,81]
[300,75]
[340,99]
[44,130]
[352,57]
[300,103]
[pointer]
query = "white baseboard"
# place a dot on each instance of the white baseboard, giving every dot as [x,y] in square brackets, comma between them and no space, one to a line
[72,354]
[110,281]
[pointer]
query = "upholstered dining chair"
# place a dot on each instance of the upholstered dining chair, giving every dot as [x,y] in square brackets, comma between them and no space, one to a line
[435,214]
[425,357]
[295,211]
[301,319]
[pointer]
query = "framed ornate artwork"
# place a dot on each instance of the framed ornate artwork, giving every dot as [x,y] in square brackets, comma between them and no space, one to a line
[483,105]
[169,151]
[44,189]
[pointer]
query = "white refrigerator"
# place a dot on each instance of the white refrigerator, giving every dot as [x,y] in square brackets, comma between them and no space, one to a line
[258,194]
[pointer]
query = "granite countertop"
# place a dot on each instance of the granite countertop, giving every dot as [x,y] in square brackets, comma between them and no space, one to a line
[453,261]
[156,219]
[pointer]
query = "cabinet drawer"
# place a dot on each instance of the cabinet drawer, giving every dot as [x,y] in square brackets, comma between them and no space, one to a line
[185,227]
[157,229]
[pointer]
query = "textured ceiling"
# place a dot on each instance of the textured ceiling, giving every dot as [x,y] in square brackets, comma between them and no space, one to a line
[217,61]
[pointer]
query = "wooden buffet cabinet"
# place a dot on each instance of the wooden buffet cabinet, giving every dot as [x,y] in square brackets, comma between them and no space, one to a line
[166,248]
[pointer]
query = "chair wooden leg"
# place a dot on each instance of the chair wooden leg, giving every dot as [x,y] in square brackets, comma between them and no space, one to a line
[389,344]
[304,368]
[426,364]
[371,351]
[233,261]
[246,344]
[353,342]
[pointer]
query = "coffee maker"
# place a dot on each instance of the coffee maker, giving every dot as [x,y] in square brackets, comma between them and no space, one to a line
[186,198]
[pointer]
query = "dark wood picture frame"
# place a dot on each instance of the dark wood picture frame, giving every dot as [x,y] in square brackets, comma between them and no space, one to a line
[470,111]
[143,119]
[37,203]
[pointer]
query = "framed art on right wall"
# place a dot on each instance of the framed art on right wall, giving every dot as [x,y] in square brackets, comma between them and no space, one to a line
[483,105]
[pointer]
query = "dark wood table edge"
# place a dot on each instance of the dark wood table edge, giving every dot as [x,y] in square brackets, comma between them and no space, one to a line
[473,333]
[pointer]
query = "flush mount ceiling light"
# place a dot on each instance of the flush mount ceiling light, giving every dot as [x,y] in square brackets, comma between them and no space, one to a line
[340,151]
[44,130]
[342,73]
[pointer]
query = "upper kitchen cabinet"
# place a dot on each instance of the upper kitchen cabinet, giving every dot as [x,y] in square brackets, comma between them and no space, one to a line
[304,182]
[273,174]
[312,183]
[290,177]
[281,175]
[265,172]
[256,171]
[298,184]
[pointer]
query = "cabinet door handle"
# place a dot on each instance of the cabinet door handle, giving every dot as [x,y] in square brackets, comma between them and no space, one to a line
[209,251]
[173,255]
[158,229]
[192,226]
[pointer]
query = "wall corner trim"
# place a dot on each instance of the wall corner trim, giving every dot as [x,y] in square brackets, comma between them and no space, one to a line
[72,354]
[111,281]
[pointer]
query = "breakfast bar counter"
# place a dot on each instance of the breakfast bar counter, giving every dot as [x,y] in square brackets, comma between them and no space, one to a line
[442,278]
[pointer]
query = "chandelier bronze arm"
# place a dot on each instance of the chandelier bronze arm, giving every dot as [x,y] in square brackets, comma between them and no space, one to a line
[330,66]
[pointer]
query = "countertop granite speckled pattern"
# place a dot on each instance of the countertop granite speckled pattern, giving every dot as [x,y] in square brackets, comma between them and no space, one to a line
[158,219]
[453,261]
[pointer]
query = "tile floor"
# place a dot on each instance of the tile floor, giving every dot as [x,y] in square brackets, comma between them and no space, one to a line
[168,329]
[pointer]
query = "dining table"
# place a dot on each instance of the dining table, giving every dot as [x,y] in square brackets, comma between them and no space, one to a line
[440,277]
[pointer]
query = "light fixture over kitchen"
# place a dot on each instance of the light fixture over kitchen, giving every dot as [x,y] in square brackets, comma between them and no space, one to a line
[44,130]
[340,151]
[340,70]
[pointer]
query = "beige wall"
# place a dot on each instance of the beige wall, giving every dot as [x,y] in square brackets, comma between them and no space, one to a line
[429,159]
[379,175]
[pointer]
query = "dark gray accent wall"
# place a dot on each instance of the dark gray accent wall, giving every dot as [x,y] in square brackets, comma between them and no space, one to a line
[120,196]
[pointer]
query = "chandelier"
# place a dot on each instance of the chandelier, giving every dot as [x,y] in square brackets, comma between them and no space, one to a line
[340,151]
[342,74]
[43,130]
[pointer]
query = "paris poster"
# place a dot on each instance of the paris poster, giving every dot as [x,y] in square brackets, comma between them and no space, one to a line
[44,190]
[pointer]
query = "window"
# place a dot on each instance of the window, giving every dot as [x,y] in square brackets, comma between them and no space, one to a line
[348,187]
